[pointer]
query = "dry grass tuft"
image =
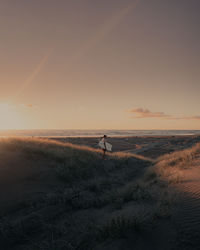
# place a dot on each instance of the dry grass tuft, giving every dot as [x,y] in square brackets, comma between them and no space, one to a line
[171,166]
[119,227]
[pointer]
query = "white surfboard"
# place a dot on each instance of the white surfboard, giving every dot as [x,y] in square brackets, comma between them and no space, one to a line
[108,145]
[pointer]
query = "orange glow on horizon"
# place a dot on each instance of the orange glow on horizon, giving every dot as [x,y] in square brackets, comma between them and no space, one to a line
[10,117]
[100,65]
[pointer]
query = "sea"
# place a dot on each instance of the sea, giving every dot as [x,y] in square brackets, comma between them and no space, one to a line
[95,133]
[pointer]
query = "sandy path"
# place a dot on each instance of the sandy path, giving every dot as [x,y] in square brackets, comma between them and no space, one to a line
[143,148]
[187,217]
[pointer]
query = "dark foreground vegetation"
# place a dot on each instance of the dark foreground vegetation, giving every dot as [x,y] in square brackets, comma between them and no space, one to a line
[59,196]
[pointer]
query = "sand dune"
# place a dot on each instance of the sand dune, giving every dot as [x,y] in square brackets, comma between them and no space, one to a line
[56,195]
[188,213]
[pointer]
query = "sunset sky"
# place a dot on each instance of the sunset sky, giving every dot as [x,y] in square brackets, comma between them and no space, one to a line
[100,64]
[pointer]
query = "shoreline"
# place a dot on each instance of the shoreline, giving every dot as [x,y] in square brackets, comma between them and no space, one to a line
[96,133]
[97,136]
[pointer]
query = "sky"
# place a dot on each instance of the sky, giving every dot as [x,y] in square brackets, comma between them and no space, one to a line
[90,64]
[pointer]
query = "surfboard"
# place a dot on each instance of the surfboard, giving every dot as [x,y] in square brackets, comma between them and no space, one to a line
[108,145]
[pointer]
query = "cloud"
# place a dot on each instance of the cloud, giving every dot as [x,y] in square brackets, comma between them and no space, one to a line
[146,113]
[26,106]
[187,118]
[197,117]
[29,105]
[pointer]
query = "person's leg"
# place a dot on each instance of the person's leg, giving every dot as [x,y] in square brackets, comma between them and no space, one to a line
[104,152]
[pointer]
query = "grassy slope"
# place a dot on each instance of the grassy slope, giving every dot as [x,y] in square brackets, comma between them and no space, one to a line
[170,167]
[71,199]
[71,162]
[43,179]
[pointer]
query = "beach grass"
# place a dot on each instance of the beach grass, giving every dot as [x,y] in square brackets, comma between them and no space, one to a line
[84,200]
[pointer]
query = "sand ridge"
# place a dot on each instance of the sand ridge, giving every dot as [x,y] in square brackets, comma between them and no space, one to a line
[187,216]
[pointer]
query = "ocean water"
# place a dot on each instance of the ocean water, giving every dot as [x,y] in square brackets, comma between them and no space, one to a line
[95,133]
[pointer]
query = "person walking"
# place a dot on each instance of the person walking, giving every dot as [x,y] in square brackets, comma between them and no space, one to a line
[103,141]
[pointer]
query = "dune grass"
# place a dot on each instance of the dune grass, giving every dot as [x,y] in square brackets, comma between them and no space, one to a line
[59,149]
[170,167]
[88,184]
[180,159]
[71,162]
[119,227]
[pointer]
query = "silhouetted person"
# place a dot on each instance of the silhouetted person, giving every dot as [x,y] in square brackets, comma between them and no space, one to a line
[103,140]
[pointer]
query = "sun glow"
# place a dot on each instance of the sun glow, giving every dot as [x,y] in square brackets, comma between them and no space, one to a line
[10,117]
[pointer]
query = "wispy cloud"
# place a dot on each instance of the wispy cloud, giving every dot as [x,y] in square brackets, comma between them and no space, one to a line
[197,117]
[29,105]
[146,113]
